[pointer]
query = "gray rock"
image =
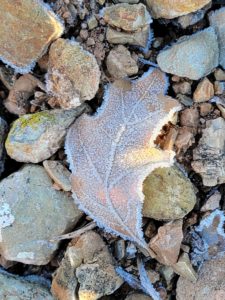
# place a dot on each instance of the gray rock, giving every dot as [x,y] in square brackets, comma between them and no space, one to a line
[3,131]
[192,56]
[16,288]
[137,296]
[217,21]
[31,213]
[36,137]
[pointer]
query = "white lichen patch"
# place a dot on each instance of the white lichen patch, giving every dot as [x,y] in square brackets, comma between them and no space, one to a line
[6,217]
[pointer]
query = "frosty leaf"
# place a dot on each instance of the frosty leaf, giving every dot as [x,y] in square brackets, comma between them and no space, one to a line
[112,152]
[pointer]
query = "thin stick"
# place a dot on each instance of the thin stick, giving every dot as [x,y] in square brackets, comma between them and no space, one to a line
[75,233]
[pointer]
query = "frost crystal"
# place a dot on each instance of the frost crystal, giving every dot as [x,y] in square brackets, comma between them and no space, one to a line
[112,152]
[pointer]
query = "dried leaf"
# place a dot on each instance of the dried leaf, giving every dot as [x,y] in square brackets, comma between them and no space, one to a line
[112,152]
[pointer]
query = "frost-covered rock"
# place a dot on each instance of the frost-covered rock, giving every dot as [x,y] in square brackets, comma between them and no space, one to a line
[209,156]
[217,21]
[73,73]
[27,28]
[17,288]
[35,137]
[192,56]
[3,132]
[169,195]
[87,262]
[170,9]
[31,213]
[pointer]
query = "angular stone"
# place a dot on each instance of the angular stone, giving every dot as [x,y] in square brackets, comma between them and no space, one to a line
[17,288]
[204,91]
[184,140]
[212,203]
[169,195]
[120,64]
[166,244]
[209,156]
[190,118]
[170,9]
[35,137]
[127,17]
[219,74]
[138,38]
[31,213]
[184,268]
[88,262]
[192,56]
[217,21]
[73,73]
[3,133]
[27,28]
[210,283]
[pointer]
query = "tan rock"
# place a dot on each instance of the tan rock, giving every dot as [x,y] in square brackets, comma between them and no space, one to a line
[170,9]
[184,268]
[204,91]
[169,195]
[137,296]
[127,17]
[210,283]
[219,74]
[73,74]
[166,244]
[213,202]
[205,109]
[185,138]
[189,117]
[59,174]
[182,88]
[120,64]
[27,28]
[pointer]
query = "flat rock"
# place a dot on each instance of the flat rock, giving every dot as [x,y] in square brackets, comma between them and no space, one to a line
[217,21]
[31,213]
[17,288]
[3,133]
[170,9]
[35,137]
[204,91]
[208,156]
[166,244]
[120,64]
[127,17]
[210,283]
[27,28]
[192,56]
[87,262]
[73,74]
[169,195]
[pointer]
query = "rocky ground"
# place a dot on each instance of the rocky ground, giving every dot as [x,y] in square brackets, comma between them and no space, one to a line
[57,58]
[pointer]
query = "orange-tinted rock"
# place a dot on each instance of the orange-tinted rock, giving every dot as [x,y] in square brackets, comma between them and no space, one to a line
[27,28]
[204,91]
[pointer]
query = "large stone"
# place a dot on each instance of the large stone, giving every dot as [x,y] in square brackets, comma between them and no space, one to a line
[17,288]
[217,21]
[170,9]
[31,213]
[169,195]
[27,28]
[87,262]
[127,17]
[73,73]
[35,137]
[3,132]
[209,156]
[192,56]
[210,283]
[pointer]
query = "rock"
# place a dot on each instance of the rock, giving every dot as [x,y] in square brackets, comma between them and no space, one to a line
[184,268]
[31,213]
[192,18]
[205,109]
[127,17]
[170,9]
[17,288]
[169,195]
[58,173]
[167,273]
[153,276]
[219,87]
[210,283]
[137,296]
[3,133]
[192,56]
[217,21]
[128,1]
[140,38]
[120,64]
[212,203]
[27,28]
[166,244]
[185,139]
[73,74]
[189,117]
[204,91]
[92,22]
[35,137]
[182,88]
[24,87]
[87,262]
[219,75]
[209,155]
